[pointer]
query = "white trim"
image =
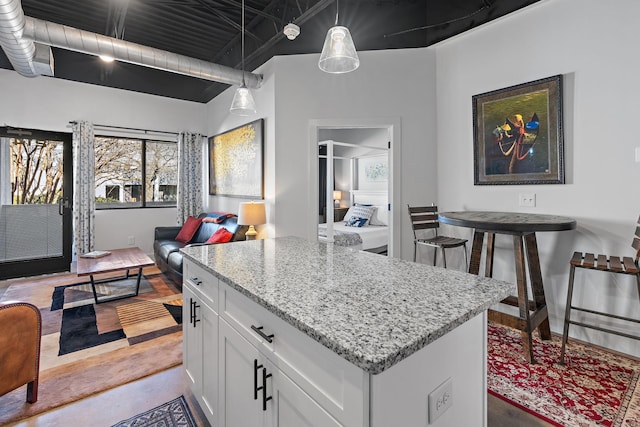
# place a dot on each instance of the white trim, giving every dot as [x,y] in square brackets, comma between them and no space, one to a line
[393,126]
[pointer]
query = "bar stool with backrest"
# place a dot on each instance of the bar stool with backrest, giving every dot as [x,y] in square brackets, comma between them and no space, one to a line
[611,264]
[424,219]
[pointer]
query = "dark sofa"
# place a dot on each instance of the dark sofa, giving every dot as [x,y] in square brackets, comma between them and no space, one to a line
[166,250]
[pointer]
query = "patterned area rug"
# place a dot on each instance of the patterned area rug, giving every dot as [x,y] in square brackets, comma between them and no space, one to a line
[87,347]
[171,414]
[594,388]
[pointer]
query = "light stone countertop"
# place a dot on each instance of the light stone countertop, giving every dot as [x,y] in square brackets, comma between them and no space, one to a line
[372,310]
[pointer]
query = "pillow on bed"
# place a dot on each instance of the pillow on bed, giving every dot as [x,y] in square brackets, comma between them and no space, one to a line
[359,211]
[355,221]
[380,216]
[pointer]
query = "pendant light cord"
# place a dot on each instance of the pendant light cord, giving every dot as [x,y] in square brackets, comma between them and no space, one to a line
[243,83]
[337,10]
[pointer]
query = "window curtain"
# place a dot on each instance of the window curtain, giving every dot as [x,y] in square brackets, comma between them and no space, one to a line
[84,201]
[189,175]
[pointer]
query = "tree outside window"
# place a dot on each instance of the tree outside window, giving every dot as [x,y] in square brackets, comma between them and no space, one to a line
[161,173]
[36,171]
[135,173]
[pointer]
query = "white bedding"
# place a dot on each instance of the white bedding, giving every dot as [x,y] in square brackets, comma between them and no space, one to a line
[373,236]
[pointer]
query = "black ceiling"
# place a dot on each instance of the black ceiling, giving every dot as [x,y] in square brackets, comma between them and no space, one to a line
[211,30]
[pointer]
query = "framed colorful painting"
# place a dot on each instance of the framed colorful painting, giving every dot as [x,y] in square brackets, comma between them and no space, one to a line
[517,134]
[236,162]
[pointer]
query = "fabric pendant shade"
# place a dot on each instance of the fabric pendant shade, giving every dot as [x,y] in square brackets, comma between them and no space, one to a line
[243,103]
[338,53]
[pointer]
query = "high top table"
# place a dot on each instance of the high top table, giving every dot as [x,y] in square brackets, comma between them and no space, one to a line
[523,228]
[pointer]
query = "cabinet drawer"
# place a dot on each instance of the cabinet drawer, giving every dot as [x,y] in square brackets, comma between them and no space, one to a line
[337,385]
[203,283]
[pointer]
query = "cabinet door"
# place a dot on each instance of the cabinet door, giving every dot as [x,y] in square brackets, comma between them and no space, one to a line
[292,407]
[200,351]
[240,401]
[207,320]
[191,342]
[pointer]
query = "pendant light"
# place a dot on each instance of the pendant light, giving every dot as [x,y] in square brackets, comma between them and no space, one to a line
[243,103]
[338,53]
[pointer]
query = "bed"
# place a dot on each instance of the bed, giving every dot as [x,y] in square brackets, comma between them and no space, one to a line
[373,236]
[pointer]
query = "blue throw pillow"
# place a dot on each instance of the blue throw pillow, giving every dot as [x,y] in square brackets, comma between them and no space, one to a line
[355,221]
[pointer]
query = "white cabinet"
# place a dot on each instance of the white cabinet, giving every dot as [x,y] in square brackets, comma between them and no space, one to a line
[292,407]
[255,393]
[200,343]
[229,357]
[191,342]
[335,384]
[238,380]
[249,367]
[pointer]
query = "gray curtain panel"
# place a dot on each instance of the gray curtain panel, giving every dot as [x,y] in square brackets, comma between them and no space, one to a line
[84,201]
[189,175]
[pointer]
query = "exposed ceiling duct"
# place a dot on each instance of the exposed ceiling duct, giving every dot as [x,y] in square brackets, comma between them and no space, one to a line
[209,30]
[27,58]
[18,34]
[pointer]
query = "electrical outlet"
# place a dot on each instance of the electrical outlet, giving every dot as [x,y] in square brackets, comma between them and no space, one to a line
[527,199]
[440,400]
[131,240]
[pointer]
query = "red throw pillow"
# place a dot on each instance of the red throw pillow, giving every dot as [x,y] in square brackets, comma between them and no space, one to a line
[188,229]
[222,235]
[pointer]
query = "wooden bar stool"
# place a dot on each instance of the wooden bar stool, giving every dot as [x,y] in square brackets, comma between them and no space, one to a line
[426,218]
[610,264]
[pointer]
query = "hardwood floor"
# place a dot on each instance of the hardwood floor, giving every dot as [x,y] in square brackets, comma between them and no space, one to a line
[120,403]
[111,406]
[502,414]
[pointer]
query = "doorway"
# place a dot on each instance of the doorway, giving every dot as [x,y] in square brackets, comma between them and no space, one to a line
[354,144]
[35,202]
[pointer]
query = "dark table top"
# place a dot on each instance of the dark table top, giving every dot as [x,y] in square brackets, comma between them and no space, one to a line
[507,221]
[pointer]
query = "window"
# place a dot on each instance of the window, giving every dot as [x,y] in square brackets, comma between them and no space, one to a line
[135,173]
[161,173]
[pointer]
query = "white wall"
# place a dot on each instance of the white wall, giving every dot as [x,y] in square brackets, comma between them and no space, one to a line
[49,104]
[389,84]
[220,120]
[295,92]
[599,63]
[593,44]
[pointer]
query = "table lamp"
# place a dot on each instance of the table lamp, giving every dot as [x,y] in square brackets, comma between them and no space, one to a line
[337,196]
[251,213]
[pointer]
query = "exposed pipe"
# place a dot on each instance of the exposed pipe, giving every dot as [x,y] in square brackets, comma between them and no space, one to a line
[70,38]
[19,32]
[21,52]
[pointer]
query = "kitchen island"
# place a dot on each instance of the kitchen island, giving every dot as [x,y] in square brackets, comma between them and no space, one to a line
[289,332]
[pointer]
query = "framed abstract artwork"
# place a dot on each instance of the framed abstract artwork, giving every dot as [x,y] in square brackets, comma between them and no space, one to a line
[517,134]
[373,169]
[236,162]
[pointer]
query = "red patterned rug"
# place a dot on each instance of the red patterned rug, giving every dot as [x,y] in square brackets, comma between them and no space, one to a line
[594,388]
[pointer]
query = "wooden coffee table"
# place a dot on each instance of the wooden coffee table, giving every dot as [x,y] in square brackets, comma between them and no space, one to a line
[119,259]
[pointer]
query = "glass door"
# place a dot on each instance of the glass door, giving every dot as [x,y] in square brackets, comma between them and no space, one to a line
[35,202]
